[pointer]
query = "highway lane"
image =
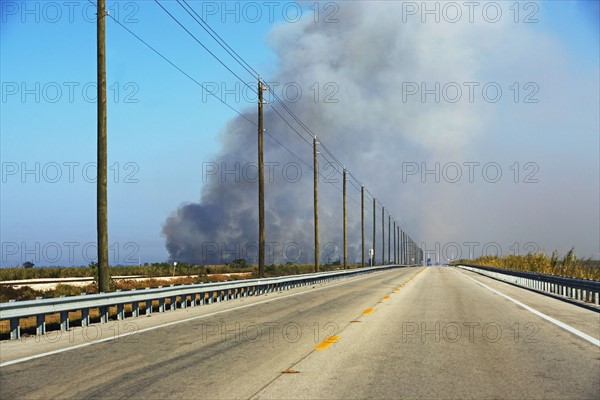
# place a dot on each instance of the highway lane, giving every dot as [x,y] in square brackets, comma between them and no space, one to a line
[229,355]
[410,333]
[447,337]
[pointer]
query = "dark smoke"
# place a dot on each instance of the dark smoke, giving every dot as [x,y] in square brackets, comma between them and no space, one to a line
[367,55]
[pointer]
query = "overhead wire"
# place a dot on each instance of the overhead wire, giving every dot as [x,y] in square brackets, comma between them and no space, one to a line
[202,44]
[221,41]
[177,67]
[240,60]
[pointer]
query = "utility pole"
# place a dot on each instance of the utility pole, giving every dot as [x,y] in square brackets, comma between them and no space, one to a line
[362,222]
[389,238]
[345,223]
[401,247]
[382,235]
[261,185]
[374,230]
[102,158]
[316,202]
[395,260]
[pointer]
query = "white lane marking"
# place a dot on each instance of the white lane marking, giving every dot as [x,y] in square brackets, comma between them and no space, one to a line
[556,322]
[49,353]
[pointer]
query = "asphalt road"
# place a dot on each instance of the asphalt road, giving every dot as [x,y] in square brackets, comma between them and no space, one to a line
[410,333]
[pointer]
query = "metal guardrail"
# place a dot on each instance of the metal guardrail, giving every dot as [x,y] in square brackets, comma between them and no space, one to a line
[182,295]
[572,288]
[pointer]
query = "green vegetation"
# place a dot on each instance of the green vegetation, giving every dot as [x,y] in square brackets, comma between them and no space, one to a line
[569,266]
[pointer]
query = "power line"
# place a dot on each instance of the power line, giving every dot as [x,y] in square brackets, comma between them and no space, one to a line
[254,74]
[201,44]
[290,125]
[240,60]
[288,150]
[179,69]
[221,41]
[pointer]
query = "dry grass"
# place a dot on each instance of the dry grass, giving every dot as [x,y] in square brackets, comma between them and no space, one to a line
[53,320]
[569,266]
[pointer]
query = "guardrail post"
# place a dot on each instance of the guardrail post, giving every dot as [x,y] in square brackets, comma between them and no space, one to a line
[120,312]
[15,329]
[597,298]
[64,321]
[103,314]
[85,317]
[148,307]
[173,305]
[40,324]
[135,309]
[184,301]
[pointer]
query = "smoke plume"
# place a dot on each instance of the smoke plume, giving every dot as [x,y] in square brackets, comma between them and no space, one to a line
[369,55]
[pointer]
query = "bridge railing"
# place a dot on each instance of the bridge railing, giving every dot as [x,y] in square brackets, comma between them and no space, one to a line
[178,296]
[577,289]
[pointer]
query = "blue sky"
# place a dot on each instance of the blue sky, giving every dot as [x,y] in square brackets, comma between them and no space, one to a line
[162,127]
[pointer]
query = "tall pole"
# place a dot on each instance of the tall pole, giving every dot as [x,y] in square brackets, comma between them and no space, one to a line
[316,202]
[395,259]
[399,246]
[261,185]
[382,235]
[374,231]
[389,259]
[402,247]
[345,225]
[362,222]
[101,181]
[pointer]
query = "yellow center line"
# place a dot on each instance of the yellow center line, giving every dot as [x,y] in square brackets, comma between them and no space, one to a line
[368,311]
[327,342]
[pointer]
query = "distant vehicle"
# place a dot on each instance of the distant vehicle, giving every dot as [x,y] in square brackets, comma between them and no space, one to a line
[428,261]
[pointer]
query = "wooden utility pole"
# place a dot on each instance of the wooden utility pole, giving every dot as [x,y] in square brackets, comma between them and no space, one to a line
[362,222]
[345,224]
[389,259]
[398,249]
[382,235]
[261,185]
[316,202]
[374,231]
[395,259]
[102,158]
[406,258]
[401,247]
